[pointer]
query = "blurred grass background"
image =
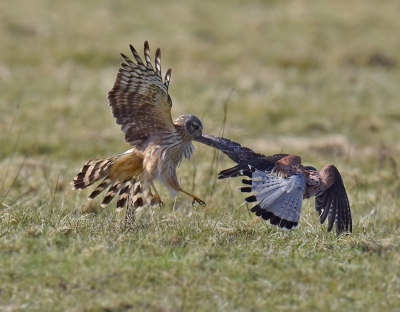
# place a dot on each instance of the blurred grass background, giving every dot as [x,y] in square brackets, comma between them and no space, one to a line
[314,78]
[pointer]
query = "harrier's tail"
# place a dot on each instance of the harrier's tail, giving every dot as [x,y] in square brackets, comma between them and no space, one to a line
[141,196]
[97,169]
[121,174]
[91,172]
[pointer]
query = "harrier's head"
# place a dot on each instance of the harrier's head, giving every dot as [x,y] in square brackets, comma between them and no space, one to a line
[191,125]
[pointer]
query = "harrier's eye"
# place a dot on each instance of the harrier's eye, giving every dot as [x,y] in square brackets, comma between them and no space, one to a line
[195,127]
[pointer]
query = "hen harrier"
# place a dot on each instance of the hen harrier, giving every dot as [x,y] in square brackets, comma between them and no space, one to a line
[140,103]
[281,183]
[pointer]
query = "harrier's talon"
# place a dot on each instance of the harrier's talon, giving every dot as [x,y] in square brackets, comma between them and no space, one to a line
[156,201]
[198,200]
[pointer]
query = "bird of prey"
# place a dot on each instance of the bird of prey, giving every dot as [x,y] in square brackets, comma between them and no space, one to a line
[141,105]
[281,183]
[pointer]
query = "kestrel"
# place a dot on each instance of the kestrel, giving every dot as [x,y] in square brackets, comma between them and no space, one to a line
[140,103]
[281,183]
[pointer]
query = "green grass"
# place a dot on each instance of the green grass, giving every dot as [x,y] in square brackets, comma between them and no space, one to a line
[314,78]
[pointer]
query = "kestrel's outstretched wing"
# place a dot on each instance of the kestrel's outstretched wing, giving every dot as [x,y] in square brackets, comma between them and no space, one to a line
[333,203]
[233,150]
[140,102]
[241,155]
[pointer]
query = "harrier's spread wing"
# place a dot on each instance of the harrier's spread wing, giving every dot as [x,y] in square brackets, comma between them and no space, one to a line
[333,203]
[140,102]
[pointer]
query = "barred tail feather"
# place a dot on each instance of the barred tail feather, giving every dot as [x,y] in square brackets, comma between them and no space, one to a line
[124,194]
[91,172]
[142,195]
[111,193]
[137,198]
[100,188]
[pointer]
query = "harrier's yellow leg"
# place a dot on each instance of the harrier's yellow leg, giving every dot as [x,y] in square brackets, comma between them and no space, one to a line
[173,183]
[195,198]
[156,200]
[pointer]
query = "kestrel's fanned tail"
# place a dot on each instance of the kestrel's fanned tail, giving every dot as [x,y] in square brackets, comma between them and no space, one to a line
[279,199]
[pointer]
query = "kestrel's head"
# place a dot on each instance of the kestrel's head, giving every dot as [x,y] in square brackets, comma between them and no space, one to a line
[191,125]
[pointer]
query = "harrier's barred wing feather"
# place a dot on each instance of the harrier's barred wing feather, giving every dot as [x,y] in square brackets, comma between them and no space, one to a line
[140,102]
[158,63]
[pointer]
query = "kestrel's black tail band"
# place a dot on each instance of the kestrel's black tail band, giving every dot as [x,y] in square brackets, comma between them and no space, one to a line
[279,199]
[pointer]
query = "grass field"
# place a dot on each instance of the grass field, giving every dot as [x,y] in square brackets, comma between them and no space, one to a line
[316,78]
